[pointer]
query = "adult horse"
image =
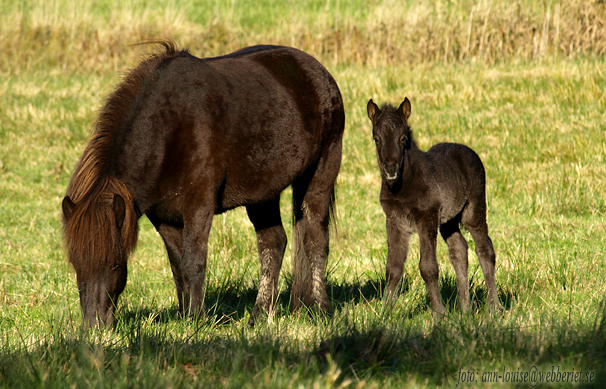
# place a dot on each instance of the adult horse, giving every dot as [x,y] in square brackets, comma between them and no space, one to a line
[182,139]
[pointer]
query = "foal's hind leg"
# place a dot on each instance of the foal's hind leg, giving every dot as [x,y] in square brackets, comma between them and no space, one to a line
[457,253]
[487,259]
[474,218]
[271,242]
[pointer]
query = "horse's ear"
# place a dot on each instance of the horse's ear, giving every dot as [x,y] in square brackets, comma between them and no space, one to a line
[404,108]
[372,110]
[68,207]
[119,208]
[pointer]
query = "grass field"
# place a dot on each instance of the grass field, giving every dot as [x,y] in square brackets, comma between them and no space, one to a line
[523,83]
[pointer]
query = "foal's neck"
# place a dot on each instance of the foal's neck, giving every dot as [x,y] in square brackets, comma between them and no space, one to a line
[412,157]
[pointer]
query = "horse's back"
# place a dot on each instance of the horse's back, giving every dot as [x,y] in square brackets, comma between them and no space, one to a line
[244,125]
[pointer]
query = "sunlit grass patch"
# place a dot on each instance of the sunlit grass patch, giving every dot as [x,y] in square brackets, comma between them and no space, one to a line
[536,118]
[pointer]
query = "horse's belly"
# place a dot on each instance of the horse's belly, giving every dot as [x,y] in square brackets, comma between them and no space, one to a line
[253,184]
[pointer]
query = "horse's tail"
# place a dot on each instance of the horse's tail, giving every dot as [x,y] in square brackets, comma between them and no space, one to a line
[302,268]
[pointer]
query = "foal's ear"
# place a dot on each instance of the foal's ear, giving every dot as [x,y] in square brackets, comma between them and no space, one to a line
[68,207]
[372,110]
[404,108]
[119,208]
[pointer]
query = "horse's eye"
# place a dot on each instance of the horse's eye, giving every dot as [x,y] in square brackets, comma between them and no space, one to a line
[403,139]
[115,266]
[376,139]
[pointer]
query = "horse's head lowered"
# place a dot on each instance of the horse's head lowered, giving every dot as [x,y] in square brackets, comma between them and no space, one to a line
[100,232]
[392,137]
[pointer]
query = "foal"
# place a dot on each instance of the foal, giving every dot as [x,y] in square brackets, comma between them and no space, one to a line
[426,191]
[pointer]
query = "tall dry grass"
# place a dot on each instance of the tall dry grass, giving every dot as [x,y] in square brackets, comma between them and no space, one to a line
[71,35]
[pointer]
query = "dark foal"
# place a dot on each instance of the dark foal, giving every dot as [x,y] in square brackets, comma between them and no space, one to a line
[182,139]
[426,191]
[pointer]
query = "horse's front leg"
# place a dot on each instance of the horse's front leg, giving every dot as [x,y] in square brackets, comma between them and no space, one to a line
[196,230]
[173,240]
[271,242]
[398,239]
[428,264]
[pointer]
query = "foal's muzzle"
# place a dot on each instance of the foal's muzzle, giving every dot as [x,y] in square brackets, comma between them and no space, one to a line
[391,173]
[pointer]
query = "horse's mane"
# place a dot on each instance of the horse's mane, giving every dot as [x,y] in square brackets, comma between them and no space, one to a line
[91,166]
[88,235]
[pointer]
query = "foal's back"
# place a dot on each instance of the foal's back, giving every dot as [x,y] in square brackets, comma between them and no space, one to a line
[459,176]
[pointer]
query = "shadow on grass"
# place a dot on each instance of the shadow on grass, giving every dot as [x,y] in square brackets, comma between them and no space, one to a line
[439,356]
[372,290]
[222,307]
[146,356]
[477,292]
[384,346]
[228,304]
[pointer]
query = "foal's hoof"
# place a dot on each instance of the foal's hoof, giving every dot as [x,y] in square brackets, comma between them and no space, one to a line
[439,313]
[497,308]
[198,314]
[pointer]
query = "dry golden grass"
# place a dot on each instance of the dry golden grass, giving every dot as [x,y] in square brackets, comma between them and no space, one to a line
[73,36]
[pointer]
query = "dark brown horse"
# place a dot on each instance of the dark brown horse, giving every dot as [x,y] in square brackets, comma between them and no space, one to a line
[182,139]
[426,191]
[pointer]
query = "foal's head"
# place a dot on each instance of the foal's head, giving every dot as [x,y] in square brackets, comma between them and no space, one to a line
[100,232]
[392,136]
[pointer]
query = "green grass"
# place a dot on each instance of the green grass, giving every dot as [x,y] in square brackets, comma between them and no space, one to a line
[539,126]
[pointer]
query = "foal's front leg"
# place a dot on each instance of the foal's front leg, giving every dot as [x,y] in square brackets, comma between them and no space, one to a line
[428,265]
[398,240]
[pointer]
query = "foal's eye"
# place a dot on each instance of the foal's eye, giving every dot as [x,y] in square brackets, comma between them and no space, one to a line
[376,139]
[403,138]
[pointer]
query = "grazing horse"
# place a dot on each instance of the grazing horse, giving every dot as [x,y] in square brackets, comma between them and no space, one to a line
[426,191]
[182,139]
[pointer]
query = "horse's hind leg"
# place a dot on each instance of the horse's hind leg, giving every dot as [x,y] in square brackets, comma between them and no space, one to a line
[313,198]
[309,264]
[271,242]
[457,253]
[474,218]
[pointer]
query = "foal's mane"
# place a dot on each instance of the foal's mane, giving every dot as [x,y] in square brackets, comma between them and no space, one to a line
[89,235]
